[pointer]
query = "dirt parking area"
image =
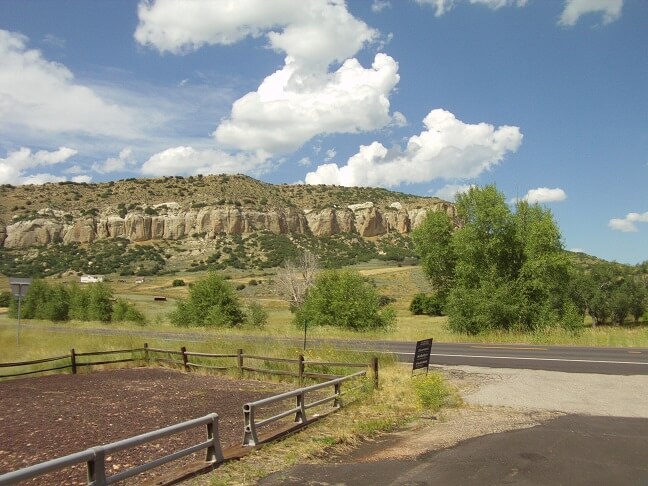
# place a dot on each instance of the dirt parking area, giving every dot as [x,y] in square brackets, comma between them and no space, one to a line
[46,417]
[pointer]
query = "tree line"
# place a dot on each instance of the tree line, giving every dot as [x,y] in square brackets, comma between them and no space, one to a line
[62,302]
[502,268]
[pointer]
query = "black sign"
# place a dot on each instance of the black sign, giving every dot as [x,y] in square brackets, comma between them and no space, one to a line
[422,354]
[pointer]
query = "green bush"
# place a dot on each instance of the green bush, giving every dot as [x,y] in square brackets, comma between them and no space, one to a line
[212,302]
[422,304]
[5,299]
[126,311]
[256,315]
[343,298]
[178,282]
[431,390]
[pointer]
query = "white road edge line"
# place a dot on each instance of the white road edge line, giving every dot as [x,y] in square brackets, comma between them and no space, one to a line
[506,357]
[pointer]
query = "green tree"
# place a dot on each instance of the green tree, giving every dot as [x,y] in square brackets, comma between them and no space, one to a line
[433,239]
[501,269]
[99,302]
[211,302]
[343,298]
[78,309]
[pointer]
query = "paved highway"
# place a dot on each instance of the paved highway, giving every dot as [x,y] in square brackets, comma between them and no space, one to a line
[569,359]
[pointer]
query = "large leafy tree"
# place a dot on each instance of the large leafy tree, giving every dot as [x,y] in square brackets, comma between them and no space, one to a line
[500,269]
[212,302]
[343,298]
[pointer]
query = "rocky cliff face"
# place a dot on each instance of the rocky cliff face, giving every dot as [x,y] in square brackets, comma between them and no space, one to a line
[366,220]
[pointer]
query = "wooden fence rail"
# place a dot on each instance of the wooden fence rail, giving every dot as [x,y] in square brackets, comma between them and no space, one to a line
[145,355]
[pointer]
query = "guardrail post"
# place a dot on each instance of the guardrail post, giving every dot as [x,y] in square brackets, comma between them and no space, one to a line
[249,427]
[239,361]
[301,369]
[300,414]
[374,365]
[97,467]
[214,451]
[337,402]
[146,354]
[73,360]
[185,359]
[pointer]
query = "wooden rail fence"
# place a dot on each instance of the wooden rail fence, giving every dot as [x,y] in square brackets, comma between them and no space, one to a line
[187,360]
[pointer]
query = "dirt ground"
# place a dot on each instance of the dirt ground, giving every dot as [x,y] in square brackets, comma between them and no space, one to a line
[51,416]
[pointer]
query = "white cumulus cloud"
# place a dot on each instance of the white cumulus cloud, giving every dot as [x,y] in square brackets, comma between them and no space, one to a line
[447,149]
[312,32]
[610,10]
[544,195]
[629,223]
[449,191]
[188,160]
[40,95]
[290,108]
[303,98]
[444,6]
[15,166]
[115,164]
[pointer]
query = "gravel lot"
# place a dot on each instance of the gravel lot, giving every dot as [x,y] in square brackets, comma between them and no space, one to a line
[577,393]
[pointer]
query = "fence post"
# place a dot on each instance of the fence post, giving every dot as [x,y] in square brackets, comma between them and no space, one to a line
[250,437]
[73,359]
[97,467]
[300,414]
[184,358]
[301,369]
[214,451]
[146,354]
[374,364]
[239,361]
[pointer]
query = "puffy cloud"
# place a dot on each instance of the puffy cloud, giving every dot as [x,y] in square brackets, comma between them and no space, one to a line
[380,5]
[290,108]
[36,94]
[300,100]
[628,224]
[447,149]
[610,10]
[14,166]
[309,31]
[449,191]
[115,164]
[188,160]
[443,6]
[82,178]
[544,195]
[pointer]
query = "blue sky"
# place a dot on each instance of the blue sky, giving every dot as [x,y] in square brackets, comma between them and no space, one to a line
[547,99]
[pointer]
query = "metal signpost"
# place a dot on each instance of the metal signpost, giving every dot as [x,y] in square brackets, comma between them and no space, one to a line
[422,355]
[19,288]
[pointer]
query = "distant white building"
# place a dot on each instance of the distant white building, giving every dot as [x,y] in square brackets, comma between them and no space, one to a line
[92,278]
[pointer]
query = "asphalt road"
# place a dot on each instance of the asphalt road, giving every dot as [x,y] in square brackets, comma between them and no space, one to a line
[569,359]
[569,450]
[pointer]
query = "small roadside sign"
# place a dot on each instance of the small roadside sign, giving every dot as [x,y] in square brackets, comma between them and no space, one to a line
[422,355]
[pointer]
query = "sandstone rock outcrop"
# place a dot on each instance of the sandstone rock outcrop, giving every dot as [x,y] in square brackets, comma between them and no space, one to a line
[173,223]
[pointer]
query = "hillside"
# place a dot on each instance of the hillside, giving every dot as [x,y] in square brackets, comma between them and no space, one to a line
[150,226]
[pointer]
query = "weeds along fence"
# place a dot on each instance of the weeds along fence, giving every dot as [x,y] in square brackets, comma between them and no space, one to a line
[299,367]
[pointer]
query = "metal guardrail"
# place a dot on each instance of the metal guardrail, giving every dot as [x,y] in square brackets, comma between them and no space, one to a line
[95,456]
[250,434]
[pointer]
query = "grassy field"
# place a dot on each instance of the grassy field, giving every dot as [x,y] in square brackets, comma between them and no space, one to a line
[400,283]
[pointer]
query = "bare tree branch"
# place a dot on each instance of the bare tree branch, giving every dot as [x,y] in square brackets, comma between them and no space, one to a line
[297,276]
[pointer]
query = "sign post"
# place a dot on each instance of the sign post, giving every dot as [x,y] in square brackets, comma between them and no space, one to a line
[422,355]
[19,288]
